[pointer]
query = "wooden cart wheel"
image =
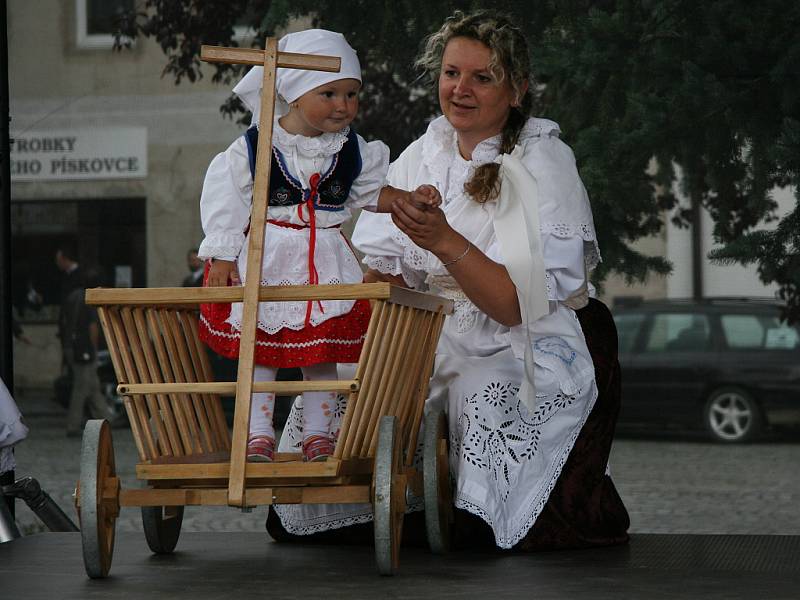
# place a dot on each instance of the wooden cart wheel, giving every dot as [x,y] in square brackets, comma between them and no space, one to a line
[99,498]
[162,526]
[389,499]
[436,479]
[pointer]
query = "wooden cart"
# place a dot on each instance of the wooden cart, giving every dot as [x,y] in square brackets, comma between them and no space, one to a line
[187,456]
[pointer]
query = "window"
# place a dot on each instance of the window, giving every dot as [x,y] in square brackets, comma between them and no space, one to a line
[628,327]
[96,21]
[757,332]
[679,332]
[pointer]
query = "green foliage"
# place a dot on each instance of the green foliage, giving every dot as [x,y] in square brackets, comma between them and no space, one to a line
[647,93]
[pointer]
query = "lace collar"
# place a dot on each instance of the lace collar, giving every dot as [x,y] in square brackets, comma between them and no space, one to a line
[440,148]
[323,145]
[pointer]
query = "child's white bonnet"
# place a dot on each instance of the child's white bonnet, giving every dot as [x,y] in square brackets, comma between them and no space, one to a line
[290,84]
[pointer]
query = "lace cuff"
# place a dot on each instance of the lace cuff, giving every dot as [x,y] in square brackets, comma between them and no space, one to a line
[221,245]
[585,231]
[394,265]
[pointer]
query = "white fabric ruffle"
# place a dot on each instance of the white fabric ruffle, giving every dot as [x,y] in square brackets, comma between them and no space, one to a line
[228,186]
[286,263]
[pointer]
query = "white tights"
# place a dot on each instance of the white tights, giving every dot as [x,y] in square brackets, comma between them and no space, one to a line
[317,406]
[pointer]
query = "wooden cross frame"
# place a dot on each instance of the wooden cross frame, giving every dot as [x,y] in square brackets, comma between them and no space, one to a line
[271,59]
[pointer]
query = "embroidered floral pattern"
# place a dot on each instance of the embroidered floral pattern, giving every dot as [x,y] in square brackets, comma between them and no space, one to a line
[500,449]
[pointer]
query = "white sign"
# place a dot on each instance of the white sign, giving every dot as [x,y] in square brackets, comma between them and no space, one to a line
[70,154]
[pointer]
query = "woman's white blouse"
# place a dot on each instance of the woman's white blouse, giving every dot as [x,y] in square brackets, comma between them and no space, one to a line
[228,186]
[569,245]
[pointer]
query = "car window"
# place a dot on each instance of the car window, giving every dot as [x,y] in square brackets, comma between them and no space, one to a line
[628,327]
[679,332]
[758,332]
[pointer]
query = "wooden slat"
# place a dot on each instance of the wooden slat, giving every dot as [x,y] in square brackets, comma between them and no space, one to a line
[412,369]
[283,388]
[371,401]
[156,363]
[340,494]
[388,398]
[365,374]
[186,296]
[151,373]
[421,300]
[255,253]
[328,468]
[113,344]
[142,374]
[255,56]
[176,409]
[182,370]
[182,400]
[219,431]
[344,432]
[139,425]
[423,379]
[207,375]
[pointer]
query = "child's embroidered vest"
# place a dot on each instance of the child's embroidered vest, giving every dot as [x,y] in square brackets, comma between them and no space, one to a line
[333,187]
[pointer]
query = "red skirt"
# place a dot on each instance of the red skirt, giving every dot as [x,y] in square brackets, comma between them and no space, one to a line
[338,339]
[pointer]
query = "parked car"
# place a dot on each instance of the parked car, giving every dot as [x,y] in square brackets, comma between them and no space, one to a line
[726,365]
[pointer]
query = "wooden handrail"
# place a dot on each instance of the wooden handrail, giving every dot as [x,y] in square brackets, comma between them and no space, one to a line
[255,56]
[182,297]
[169,296]
[343,386]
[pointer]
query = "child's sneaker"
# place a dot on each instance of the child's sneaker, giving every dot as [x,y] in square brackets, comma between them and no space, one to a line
[260,448]
[317,448]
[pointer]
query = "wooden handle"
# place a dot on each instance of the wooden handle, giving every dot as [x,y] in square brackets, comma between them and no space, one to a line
[254,56]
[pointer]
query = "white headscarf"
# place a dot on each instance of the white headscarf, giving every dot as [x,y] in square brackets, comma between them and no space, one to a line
[290,84]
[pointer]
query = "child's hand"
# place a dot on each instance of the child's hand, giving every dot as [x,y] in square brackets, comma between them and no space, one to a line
[221,271]
[426,197]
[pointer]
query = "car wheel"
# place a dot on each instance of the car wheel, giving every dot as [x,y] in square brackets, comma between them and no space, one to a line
[732,415]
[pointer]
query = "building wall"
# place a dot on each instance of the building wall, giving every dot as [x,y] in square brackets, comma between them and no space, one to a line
[675,244]
[55,85]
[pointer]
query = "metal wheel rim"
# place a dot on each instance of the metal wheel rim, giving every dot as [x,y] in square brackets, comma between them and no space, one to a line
[161,530]
[98,523]
[730,416]
[436,479]
[386,460]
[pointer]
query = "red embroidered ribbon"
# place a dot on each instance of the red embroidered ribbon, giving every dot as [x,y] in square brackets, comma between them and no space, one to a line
[313,276]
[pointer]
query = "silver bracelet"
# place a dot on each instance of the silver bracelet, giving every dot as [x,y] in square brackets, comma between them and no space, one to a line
[458,258]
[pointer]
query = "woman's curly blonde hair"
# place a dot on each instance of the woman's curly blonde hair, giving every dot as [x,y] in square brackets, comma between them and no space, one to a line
[509,58]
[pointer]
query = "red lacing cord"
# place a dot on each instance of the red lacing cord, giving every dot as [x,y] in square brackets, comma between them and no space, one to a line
[313,276]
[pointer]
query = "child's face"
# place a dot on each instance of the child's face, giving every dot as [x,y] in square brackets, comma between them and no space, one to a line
[327,108]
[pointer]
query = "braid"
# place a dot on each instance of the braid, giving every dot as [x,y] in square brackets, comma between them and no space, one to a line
[485,182]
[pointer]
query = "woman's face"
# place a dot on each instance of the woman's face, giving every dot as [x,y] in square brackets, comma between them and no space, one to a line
[476,105]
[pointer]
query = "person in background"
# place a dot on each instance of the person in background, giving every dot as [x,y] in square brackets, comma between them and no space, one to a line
[81,331]
[195,264]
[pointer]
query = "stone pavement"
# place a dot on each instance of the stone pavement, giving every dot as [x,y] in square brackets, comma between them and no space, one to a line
[669,484]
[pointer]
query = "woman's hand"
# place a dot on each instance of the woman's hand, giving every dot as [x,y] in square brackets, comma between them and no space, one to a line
[221,272]
[428,228]
[484,281]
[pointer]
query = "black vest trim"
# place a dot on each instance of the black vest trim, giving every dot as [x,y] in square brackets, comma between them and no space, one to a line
[335,183]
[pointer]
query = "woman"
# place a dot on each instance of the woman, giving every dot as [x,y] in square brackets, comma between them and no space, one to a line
[526,367]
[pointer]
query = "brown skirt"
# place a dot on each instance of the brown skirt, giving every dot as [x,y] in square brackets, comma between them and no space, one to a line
[584,509]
